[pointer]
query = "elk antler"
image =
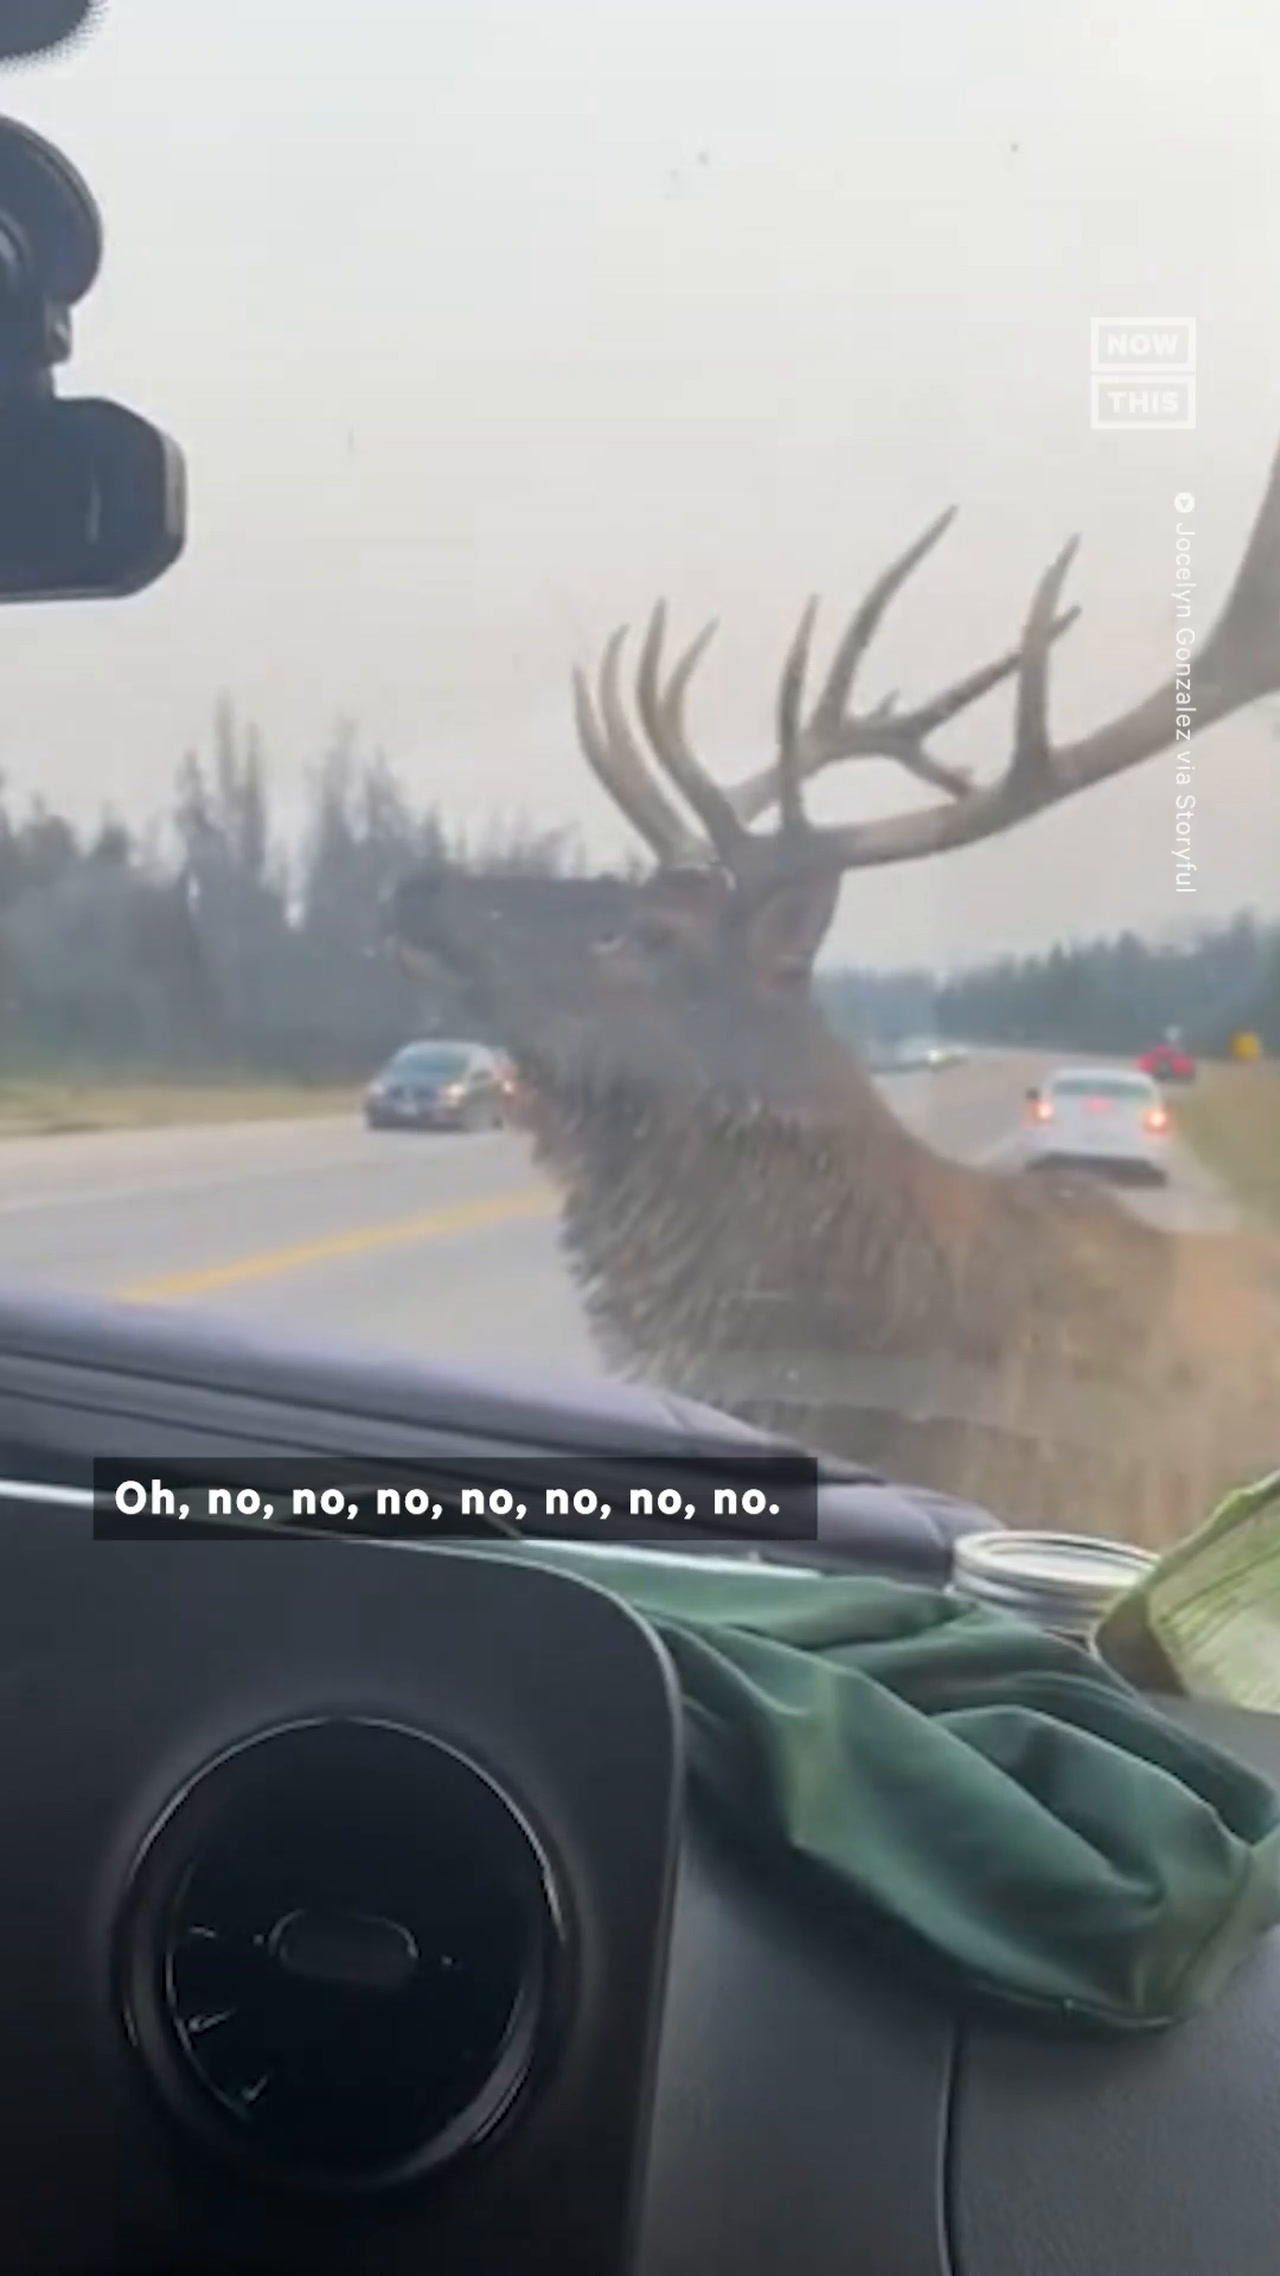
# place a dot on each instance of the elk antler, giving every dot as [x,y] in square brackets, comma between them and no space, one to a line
[614,756]
[1238,663]
[833,731]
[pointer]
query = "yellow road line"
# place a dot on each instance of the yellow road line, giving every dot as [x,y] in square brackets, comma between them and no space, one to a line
[435,1225]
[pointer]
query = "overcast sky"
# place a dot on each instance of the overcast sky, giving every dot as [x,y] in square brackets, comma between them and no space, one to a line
[482,322]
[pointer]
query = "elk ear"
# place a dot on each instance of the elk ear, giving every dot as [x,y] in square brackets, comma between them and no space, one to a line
[785,934]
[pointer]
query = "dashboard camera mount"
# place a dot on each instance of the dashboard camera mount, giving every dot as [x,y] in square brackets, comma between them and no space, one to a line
[50,253]
[92,497]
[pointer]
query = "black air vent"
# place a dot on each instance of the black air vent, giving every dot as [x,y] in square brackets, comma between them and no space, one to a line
[338,1954]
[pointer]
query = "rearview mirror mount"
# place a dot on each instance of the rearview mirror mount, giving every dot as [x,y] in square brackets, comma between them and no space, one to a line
[92,497]
[35,27]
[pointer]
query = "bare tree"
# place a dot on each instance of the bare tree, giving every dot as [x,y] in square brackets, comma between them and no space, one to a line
[749,1220]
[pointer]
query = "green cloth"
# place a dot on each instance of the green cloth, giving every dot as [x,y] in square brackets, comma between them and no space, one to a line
[1021,1817]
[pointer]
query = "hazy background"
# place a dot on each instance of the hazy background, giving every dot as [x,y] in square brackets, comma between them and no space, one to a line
[482,322]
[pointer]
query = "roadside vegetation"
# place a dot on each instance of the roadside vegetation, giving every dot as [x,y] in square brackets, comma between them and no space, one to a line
[1112,996]
[44,1106]
[1232,1119]
[201,951]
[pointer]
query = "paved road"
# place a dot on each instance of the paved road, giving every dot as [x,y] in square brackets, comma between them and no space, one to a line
[440,1244]
[976,1112]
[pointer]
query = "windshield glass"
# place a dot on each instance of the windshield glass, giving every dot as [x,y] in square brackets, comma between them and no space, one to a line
[428,1059]
[1101,1086]
[482,327]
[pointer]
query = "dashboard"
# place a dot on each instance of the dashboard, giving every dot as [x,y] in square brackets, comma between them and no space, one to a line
[336,1901]
[361,1912]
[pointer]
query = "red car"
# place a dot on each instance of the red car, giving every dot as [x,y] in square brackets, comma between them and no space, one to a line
[1168,1063]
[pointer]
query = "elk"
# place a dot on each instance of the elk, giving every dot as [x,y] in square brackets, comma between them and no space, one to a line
[748,1220]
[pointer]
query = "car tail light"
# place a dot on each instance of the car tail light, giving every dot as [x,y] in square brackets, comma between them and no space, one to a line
[1156,1119]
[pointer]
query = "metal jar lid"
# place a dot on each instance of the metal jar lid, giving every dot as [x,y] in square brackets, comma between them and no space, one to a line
[1059,1580]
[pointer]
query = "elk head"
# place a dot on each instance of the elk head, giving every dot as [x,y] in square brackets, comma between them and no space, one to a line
[701,974]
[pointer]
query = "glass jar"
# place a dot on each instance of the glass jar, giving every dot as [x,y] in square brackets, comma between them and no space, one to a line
[1065,1582]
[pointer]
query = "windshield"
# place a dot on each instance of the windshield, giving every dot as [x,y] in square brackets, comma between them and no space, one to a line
[426,1059]
[1102,1086]
[484,326]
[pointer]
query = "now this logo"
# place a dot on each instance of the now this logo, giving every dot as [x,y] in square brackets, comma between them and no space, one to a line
[1142,371]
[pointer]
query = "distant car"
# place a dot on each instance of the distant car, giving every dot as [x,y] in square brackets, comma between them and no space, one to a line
[439,1086]
[926,1053]
[1098,1118]
[1168,1063]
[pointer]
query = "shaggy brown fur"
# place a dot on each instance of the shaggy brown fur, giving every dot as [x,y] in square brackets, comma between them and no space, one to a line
[751,1224]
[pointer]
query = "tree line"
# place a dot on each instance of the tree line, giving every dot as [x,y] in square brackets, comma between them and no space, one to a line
[1110,995]
[198,943]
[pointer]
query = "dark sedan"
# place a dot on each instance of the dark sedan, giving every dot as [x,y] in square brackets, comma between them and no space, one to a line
[438,1086]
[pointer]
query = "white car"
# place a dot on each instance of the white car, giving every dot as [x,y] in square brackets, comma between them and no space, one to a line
[1100,1118]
